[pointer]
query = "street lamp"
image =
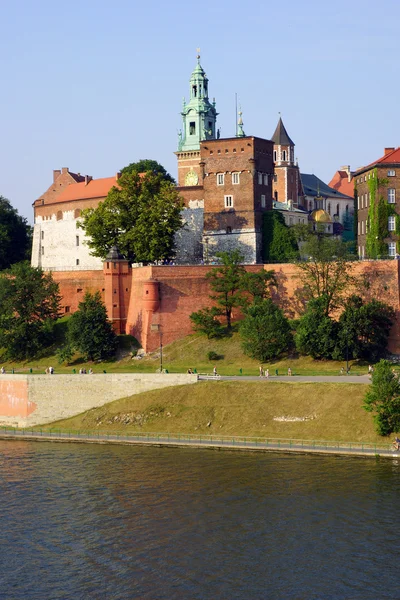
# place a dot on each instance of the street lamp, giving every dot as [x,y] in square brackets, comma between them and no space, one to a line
[161,367]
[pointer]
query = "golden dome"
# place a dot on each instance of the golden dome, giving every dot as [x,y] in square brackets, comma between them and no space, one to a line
[321,216]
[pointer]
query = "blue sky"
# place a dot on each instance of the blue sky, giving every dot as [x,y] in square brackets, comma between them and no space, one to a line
[94,85]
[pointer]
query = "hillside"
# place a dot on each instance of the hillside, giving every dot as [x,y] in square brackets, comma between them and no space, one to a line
[304,411]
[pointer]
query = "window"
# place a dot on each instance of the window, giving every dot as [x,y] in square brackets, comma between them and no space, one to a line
[260,178]
[391,195]
[358,202]
[229,229]
[274,155]
[192,128]
[265,179]
[329,208]
[391,173]
[77,261]
[362,227]
[284,155]
[337,209]
[362,200]
[262,201]
[392,248]
[228,201]
[42,235]
[235,178]
[391,223]
[220,178]
[366,200]
[67,309]
[276,196]
[77,240]
[42,250]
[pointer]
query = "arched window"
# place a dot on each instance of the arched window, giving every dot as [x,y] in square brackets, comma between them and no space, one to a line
[284,155]
[274,155]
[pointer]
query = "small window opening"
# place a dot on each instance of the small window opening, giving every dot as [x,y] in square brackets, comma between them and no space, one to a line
[77,261]
[192,128]
[229,229]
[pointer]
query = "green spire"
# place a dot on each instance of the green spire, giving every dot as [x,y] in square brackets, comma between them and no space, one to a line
[199,115]
[240,131]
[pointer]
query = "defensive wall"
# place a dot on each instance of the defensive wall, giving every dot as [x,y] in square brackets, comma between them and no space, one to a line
[156,301]
[29,400]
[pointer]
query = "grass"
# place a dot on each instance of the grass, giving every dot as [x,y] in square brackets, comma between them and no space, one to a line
[190,352]
[333,411]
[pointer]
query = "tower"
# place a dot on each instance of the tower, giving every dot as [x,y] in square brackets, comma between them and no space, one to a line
[287,178]
[199,118]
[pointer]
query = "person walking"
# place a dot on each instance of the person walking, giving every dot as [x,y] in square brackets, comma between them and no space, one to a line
[267,373]
[261,371]
[215,371]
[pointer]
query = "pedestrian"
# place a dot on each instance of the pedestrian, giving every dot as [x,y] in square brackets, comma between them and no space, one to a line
[90,371]
[215,371]
[289,371]
[267,373]
[51,370]
[261,371]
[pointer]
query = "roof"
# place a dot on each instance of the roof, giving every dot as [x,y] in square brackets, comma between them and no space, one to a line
[391,157]
[340,182]
[321,216]
[95,188]
[314,186]
[280,137]
[284,206]
[77,176]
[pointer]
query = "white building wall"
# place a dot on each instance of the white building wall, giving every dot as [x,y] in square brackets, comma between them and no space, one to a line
[55,245]
[188,240]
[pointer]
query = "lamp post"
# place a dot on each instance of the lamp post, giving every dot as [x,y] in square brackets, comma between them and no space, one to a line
[347,351]
[161,367]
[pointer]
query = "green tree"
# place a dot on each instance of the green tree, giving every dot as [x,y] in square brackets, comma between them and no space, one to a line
[29,308]
[205,321]
[225,281]
[364,329]
[316,333]
[140,216]
[147,165]
[383,399]
[258,285]
[327,271]
[89,330]
[265,331]
[279,241]
[15,236]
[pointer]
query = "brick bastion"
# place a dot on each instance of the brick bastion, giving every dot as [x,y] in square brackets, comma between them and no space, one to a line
[152,300]
[29,400]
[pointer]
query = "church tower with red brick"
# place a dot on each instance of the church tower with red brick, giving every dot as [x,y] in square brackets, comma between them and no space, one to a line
[287,183]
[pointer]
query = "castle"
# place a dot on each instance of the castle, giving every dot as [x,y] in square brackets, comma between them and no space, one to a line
[228,185]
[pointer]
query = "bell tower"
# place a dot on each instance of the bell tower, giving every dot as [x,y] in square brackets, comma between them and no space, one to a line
[287,177]
[199,118]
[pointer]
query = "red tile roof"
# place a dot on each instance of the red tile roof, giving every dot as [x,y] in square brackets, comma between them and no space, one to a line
[390,157]
[96,188]
[340,182]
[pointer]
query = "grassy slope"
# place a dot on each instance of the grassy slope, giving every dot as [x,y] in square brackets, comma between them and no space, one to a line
[239,408]
[191,351]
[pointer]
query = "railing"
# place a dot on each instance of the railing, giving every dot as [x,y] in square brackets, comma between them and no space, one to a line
[253,443]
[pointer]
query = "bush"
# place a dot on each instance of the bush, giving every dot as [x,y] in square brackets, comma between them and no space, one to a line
[383,398]
[211,355]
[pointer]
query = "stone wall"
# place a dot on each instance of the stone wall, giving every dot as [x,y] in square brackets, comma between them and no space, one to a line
[29,400]
[188,240]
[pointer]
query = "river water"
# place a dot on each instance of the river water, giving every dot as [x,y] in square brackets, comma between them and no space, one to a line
[116,522]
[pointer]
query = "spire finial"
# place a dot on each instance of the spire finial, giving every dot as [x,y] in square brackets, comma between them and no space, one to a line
[198,54]
[240,132]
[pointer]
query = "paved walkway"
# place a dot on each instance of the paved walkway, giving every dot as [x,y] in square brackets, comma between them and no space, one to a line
[364,379]
[212,442]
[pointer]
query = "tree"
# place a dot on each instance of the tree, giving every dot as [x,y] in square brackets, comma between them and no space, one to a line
[364,329]
[383,398]
[140,216]
[225,281]
[265,331]
[316,332]
[147,165]
[15,236]
[89,330]
[258,285]
[327,271]
[279,241]
[205,321]
[29,308]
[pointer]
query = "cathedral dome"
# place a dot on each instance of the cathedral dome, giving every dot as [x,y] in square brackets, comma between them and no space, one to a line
[321,216]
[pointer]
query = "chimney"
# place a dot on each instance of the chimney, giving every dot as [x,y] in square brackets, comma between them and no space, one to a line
[387,150]
[88,178]
[117,175]
[56,174]
[65,170]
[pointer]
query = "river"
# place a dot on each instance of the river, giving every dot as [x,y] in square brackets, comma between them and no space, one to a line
[116,522]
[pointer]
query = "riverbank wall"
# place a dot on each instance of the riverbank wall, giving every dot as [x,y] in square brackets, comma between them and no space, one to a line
[29,400]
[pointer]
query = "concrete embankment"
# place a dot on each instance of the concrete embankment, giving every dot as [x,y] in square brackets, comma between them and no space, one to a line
[365,450]
[29,400]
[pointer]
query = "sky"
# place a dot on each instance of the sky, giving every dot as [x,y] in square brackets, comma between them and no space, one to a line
[95,85]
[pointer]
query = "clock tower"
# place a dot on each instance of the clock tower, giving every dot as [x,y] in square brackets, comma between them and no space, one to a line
[199,118]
